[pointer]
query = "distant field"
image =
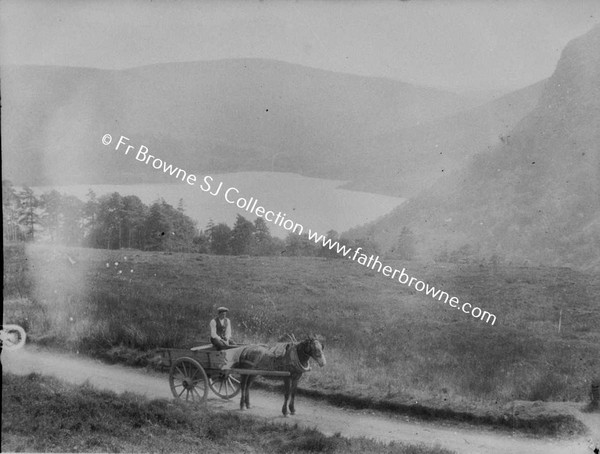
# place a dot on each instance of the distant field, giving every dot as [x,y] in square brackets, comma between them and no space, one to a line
[42,414]
[384,341]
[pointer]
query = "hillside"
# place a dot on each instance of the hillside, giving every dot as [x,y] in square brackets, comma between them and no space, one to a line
[534,197]
[384,341]
[226,115]
[235,115]
[439,147]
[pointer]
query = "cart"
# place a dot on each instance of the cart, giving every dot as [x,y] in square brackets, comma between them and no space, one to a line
[192,372]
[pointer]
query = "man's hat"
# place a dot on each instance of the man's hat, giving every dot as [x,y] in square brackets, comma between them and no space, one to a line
[222,309]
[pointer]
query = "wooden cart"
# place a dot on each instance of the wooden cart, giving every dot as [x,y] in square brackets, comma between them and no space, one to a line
[193,371]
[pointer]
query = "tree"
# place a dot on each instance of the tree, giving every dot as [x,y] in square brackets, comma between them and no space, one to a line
[219,239]
[108,226]
[300,245]
[184,229]
[241,236]
[90,216]
[325,251]
[134,216]
[262,240]
[71,229]
[201,243]
[51,214]
[158,228]
[62,217]
[209,226]
[405,248]
[10,212]
[27,211]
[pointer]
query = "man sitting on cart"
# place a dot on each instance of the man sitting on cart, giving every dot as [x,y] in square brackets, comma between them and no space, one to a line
[220,330]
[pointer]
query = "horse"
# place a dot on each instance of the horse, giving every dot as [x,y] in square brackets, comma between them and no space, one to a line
[291,357]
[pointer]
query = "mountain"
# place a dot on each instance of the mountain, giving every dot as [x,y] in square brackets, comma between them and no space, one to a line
[217,116]
[535,197]
[249,114]
[408,160]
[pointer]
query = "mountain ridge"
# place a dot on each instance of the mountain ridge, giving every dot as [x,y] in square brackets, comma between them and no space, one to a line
[535,197]
[266,117]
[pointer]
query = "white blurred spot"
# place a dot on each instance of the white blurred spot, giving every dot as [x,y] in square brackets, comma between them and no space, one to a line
[107,265]
[116,263]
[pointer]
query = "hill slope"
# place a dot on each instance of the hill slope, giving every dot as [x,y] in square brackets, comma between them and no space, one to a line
[535,197]
[226,115]
[234,115]
[411,159]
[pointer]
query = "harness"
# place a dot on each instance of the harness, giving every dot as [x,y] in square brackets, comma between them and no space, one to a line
[280,357]
[295,361]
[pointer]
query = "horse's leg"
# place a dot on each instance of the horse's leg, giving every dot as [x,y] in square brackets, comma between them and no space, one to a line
[249,380]
[286,388]
[244,380]
[293,394]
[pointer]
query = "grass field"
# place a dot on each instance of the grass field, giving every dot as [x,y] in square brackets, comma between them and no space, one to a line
[384,342]
[47,415]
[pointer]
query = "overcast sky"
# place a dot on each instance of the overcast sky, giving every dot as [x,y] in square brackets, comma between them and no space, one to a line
[456,44]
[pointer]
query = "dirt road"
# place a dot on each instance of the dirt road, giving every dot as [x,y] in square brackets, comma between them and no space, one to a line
[311,413]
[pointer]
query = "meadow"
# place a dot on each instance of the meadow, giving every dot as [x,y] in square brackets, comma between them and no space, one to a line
[384,342]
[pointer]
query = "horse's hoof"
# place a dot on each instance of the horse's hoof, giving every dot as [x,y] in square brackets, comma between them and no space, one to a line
[292,413]
[285,416]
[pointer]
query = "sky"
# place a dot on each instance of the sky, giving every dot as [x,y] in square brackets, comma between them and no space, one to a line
[459,45]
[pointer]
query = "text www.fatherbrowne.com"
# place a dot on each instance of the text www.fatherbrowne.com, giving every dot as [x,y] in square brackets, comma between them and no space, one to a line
[231,196]
[373,263]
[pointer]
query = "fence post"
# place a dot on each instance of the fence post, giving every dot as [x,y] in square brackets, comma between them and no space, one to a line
[595,395]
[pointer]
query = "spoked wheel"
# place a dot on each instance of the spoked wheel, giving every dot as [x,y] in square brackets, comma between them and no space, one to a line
[188,380]
[225,385]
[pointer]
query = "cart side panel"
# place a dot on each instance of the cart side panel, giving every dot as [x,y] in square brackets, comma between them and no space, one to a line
[208,359]
[170,355]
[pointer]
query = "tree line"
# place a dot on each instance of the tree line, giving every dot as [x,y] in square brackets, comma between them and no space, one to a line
[111,221]
[114,221]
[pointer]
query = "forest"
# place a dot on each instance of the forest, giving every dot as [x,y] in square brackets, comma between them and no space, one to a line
[115,221]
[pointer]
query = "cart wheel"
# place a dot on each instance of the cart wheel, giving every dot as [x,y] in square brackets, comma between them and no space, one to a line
[225,385]
[188,380]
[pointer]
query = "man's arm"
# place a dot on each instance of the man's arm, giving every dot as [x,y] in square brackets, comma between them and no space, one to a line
[213,328]
[228,330]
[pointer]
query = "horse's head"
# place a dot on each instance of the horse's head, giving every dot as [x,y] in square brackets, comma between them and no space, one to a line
[314,348]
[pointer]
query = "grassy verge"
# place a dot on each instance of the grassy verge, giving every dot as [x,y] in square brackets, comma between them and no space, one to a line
[386,344]
[529,418]
[42,414]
